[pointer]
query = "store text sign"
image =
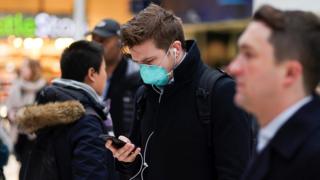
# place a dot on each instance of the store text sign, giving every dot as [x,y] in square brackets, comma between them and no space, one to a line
[17,25]
[41,25]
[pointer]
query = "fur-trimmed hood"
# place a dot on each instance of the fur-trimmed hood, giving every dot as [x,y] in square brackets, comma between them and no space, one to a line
[34,117]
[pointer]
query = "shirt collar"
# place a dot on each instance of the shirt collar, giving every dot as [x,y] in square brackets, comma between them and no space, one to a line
[268,132]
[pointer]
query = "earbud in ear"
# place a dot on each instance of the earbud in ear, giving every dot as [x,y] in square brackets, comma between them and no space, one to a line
[174,51]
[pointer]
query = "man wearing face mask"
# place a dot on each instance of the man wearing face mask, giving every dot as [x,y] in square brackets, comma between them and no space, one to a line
[123,76]
[168,140]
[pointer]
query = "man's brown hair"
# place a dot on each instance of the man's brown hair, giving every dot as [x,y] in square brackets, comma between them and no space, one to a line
[295,35]
[153,23]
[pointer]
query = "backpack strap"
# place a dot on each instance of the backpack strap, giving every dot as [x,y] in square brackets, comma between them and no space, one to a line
[204,95]
[140,102]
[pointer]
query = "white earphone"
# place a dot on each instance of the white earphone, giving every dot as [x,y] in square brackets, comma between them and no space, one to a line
[175,50]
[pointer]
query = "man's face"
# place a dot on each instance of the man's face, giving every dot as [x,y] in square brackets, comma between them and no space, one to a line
[100,79]
[258,77]
[111,46]
[148,53]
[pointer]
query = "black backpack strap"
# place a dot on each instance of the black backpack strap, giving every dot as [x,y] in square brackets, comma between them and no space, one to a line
[140,102]
[204,96]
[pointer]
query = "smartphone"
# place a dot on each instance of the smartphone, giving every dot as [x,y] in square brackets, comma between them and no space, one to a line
[117,143]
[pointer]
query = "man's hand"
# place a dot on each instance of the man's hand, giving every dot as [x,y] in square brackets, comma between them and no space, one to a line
[126,153]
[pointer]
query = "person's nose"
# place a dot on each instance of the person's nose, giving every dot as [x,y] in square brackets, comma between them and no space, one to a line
[235,67]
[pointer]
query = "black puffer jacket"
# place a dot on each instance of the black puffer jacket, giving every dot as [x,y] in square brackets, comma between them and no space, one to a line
[79,152]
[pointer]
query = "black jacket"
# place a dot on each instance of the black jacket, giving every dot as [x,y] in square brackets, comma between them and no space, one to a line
[79,152]
[178,147]
[123,84]
[294,152]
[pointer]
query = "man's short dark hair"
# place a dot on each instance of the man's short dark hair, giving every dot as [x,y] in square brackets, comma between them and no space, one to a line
[295,35]
[154,23]
[78,58]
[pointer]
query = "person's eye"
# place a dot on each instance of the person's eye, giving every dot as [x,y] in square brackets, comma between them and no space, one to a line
[149,61]
[248,55]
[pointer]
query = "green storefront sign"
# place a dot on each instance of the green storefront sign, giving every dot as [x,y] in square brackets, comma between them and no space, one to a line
[40,25]
[17,25]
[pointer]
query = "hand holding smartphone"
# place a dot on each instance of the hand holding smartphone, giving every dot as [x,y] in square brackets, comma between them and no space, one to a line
[121,148]
[117,143]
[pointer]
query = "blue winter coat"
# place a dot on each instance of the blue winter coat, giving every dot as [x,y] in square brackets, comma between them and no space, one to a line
[79,152]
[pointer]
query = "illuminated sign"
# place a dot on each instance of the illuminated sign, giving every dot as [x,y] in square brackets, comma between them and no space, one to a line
[42,25]
[53,26]
[17,25]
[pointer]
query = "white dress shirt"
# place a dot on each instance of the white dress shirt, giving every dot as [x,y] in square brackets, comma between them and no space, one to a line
[268,132]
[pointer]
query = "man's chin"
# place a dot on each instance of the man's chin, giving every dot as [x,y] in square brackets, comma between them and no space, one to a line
[240,101]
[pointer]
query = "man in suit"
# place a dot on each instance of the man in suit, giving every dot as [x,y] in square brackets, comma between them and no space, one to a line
[277,70]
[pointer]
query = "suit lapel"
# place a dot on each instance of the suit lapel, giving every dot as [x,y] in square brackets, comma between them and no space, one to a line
[295,131]
[287,140]
[259,167]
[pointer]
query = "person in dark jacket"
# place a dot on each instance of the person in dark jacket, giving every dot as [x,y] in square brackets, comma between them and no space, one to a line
[123,76]
[4,155]
[169,132]
[69,119]
[277,70]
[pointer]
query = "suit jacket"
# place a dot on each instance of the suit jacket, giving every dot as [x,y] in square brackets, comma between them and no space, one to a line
[294,152]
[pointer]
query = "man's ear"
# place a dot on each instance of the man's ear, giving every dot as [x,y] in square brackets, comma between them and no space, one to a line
[294,72]
[176,45]
[91,75]
[176,48]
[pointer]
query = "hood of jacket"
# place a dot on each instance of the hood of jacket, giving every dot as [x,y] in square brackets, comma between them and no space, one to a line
[57,104]
[34,117]
[63,92]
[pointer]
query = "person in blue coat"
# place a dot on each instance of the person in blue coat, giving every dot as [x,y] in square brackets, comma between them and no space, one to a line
[68,120]
[277,70]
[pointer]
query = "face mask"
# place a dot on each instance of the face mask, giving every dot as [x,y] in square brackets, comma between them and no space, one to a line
[154,74]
